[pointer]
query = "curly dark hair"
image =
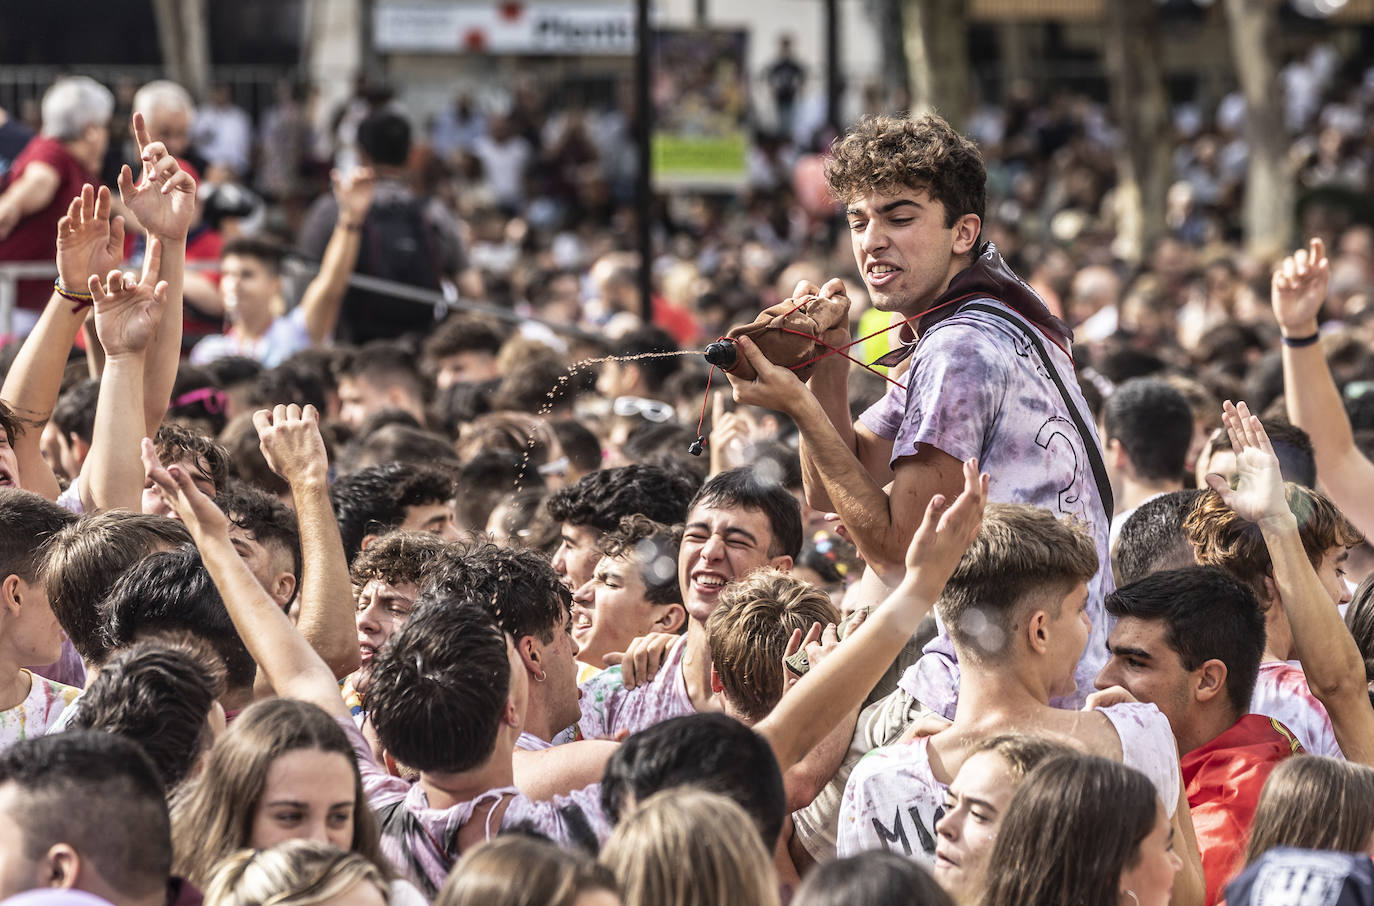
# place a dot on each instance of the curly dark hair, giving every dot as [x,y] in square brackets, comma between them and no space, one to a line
[518,587]
[375,500]
[398,557]
[268,519]
[601,499]
[890,153]
[175,442]
[639,535]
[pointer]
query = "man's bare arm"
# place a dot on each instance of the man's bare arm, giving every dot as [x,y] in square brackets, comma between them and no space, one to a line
[291,665]
[30,193]
[1314,403]
[164,201]
[88,242]
[880,524]
[324,296]
[1331,661]
[562,769]
[837,685]
[292,445]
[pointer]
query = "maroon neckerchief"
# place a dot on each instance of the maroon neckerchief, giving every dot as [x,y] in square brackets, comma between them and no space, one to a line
[987,277]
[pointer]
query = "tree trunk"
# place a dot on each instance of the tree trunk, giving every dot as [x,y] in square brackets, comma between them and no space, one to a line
[1140,105]
[184,38]
[1269,189]
[935,34]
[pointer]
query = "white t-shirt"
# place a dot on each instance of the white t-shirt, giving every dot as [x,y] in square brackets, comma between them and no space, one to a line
[285,337]
[893,801]
[1281,692]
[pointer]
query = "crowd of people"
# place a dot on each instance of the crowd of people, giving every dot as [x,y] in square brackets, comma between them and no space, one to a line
[996,592]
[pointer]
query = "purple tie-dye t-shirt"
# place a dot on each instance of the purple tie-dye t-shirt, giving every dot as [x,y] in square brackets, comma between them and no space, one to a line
[976,387]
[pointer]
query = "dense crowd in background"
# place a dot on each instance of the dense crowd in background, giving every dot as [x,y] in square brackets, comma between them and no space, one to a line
[418,589]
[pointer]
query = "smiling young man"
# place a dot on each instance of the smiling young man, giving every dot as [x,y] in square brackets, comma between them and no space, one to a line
[990,376]
[736,525]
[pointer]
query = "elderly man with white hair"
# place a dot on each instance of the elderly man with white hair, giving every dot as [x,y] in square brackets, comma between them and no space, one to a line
[168,111]
[46,176]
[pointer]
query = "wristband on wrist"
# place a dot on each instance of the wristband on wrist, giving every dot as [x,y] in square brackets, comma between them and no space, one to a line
[351,227]
[81,300]
[1299,342]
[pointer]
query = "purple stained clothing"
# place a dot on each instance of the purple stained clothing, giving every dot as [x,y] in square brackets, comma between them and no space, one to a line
[893,800]
[68,669]
[1281,692]
[422,842]
[608,707]
[977,387]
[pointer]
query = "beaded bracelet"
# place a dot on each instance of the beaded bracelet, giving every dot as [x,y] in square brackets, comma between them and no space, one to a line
[82,300]
[1299,342]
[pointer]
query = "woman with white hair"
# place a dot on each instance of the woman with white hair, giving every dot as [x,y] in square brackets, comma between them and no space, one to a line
[47,175]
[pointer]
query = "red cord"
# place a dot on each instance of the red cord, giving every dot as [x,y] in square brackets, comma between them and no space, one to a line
[840,350]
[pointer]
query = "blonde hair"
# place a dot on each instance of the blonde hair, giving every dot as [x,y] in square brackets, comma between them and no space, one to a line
[749,630]
[294,873]
[522,871]
[1312,802]
[688,847]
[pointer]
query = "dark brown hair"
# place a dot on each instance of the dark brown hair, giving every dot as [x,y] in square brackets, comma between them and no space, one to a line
[888,154]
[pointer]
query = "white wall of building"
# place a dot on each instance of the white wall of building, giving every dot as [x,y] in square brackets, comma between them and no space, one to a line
[428,81]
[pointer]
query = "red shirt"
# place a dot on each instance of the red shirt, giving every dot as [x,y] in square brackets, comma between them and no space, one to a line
[1223,781]
[35,237]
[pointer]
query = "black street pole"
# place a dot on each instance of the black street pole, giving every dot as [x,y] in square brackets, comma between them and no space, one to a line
[644,185]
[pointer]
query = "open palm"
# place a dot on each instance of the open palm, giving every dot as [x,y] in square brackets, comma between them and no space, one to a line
[1259,492]
[87,241]
[1299,285]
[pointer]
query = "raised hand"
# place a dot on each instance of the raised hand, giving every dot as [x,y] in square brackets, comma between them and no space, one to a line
[354,191]
[945,533]
[1298,289]
[164,199]
[128,311]
[196,511]
[87,241]
[1259,492]
[289,437]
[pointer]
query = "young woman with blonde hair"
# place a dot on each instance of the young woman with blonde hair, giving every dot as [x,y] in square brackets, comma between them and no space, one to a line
[688,847]
[297,873]
[515,870]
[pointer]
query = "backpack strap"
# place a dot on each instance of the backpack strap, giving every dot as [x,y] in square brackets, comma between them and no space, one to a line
[1104,486]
